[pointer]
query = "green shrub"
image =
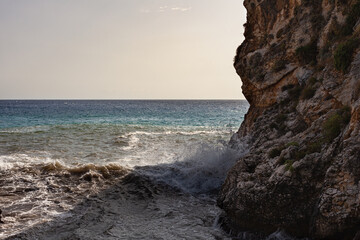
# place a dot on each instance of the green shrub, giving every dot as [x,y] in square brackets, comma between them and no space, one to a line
[295,144]
[279,65]
[289,165]
[310,89]
[314,147]
[280,122]
[345,113]
[275,152]
[312,81]
[308,92]
[332,126]
[280,161]
[344,53]
[307,53]
[295,92]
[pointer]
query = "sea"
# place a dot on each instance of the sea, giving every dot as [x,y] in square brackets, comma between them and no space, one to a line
[116,169]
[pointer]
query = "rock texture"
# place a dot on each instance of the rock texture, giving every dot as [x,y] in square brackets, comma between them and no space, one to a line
[300,67]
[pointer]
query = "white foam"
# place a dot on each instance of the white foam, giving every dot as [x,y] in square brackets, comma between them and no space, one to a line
[29,129]
[200,169]
[133,141]
[22,160]
[174,132]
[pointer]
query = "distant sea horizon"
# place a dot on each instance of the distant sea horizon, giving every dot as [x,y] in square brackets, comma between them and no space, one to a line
[124,99]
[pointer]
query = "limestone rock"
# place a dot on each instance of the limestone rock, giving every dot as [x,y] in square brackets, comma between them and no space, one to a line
[302,171]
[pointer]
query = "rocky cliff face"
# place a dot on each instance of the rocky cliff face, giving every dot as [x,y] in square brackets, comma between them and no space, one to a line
[300,67]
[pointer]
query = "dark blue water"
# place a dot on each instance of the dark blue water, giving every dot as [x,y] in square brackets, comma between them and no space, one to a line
[213,113]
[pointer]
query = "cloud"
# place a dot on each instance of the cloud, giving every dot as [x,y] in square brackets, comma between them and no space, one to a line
[181,9]
[165,8]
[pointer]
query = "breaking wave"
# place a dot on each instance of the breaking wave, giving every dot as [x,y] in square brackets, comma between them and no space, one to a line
[200,169]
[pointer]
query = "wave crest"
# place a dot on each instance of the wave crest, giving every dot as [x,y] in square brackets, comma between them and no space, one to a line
[87,171]
[201,169]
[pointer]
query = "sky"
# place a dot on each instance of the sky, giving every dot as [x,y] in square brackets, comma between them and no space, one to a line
[120,49]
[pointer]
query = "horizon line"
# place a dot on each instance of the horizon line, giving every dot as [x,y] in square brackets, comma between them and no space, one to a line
[123,99]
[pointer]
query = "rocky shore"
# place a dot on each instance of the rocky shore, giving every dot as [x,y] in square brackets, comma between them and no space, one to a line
[300,68]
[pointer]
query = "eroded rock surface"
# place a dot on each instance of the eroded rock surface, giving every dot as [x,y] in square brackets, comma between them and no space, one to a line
[300,68]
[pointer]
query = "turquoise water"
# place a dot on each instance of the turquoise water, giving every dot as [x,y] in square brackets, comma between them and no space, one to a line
[128,133]
[160,113]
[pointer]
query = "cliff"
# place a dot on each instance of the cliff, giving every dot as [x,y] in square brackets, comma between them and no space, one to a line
[300,68]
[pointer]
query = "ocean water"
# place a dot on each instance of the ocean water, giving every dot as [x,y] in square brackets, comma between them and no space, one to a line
[128,133]
[56,156]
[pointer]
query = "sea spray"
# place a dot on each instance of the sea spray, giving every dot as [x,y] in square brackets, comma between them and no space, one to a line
[199,169]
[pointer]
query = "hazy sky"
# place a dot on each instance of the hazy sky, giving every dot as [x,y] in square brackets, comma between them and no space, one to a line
[120,49]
